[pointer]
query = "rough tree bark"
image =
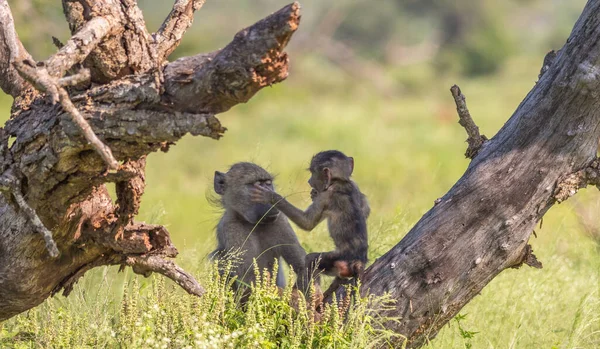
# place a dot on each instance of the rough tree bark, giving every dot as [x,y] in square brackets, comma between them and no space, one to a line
[89,115]
[541,156]
[136,103]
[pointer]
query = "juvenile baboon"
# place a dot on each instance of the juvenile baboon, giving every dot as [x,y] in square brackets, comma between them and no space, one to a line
[257,230]
[335,198]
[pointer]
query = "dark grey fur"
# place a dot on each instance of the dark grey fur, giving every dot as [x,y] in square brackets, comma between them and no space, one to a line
[339,200]
[258,230]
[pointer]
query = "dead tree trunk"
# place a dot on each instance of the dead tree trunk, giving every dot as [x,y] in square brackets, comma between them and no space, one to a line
[89,115]
[543,155]
[57,220]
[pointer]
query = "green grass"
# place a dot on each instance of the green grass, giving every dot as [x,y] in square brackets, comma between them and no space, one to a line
[408,152]
[154,314]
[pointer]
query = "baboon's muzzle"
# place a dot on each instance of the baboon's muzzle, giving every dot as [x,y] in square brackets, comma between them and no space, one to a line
[265,213]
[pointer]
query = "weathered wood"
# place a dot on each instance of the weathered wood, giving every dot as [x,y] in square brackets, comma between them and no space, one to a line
[11,49]
[127,107]
[129,47]
[475,140]
[177,22]
[542,155]
[254,58]
[483,224]
[80,45]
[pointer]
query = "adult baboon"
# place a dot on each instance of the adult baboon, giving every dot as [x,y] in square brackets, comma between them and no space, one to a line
[257,230]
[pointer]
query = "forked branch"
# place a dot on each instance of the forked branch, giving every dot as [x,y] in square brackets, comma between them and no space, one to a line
[45,82]
[48,77]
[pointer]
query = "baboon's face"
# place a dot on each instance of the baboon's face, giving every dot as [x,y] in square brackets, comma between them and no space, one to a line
[318,180]
[235,188]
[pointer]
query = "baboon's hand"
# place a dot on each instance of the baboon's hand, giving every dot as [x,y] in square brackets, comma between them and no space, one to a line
[313,194]
[264,195]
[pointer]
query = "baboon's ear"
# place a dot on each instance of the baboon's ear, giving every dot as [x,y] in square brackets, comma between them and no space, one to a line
[219,182]
[350,165]
[327,175]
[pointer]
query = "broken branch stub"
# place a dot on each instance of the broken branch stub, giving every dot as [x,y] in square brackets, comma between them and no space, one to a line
[253,60]
[571,183]
[475,140]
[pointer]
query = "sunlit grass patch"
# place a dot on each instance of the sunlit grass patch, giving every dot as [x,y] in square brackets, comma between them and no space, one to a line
[155,313]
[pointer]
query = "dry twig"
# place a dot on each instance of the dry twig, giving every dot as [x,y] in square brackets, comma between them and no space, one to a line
[10,184]
[475,139]
[39,77]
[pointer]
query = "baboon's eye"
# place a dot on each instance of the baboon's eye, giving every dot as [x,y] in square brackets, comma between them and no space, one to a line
[268,182]
[257,183]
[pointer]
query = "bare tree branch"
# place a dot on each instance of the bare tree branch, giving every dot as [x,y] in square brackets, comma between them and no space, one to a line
[63,175]
[11,50]
[80,45]
[253,60]
[43,81]
[75,79]
[475,139]
[128,50]
[177,22]
[482,225]
[144,265]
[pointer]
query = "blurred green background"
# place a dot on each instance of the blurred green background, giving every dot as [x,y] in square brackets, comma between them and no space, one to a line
[372,79]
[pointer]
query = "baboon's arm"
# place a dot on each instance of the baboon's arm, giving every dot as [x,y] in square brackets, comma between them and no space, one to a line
[306,220]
